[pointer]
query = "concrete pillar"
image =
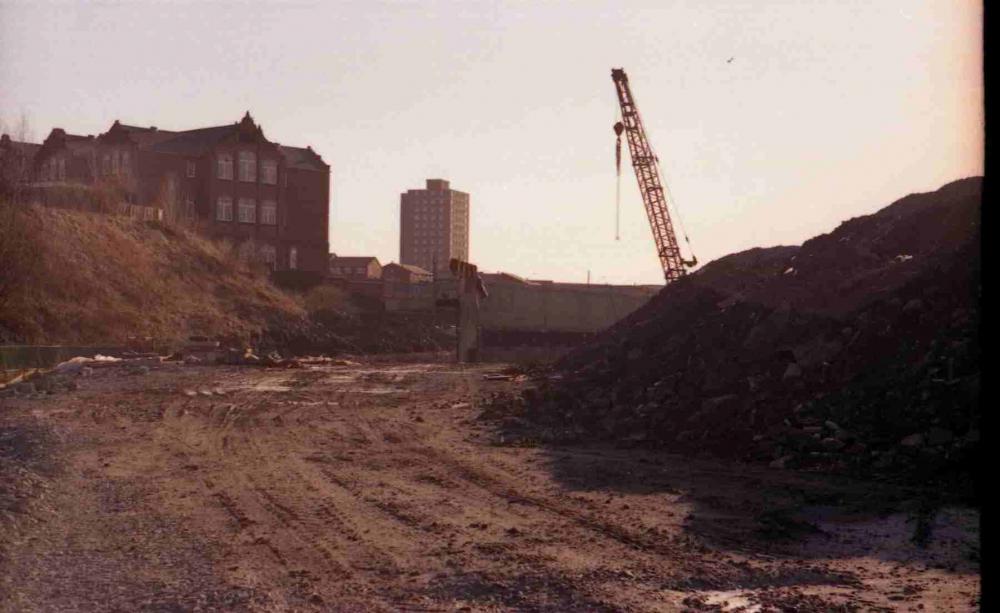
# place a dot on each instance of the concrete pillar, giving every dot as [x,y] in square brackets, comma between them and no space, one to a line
[468,320]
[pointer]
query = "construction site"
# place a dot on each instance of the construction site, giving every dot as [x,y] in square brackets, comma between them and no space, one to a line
[209,411]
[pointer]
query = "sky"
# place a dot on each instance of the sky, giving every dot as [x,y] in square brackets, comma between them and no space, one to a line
[828,109]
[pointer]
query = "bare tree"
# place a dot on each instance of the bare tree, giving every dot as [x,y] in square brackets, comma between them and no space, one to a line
[17,232]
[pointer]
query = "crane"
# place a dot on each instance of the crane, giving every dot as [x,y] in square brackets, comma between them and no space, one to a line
[647,171]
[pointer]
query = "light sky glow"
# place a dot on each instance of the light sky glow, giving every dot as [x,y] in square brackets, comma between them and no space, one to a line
[829,109]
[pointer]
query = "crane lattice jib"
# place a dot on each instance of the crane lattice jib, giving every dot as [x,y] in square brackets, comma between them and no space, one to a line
[647,171]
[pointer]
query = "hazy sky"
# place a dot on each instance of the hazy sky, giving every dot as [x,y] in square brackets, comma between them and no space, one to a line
[828,110]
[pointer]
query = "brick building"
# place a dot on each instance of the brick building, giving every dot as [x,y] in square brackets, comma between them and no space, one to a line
[230,178]
[16,159]
[355,267]
[405,274]
[433,226]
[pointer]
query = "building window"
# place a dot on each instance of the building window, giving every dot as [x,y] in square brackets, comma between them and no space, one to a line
[189,208]
[248,166]
[225,162]
[270,255]
[191,169]
[114,163]
[62,169]
[269,212]
[248,210]
[269,172]
[293,258]
[224,209]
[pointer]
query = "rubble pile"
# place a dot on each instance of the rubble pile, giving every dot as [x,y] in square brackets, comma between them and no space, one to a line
[370,334]
[857,351]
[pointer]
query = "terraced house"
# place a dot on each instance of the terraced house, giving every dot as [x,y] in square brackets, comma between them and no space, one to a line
[230,178]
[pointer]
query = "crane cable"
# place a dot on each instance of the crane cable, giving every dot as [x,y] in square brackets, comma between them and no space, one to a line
[680,222]
[677,211]
[618,127]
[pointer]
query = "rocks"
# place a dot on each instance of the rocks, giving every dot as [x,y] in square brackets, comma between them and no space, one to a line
[832,444]
[781,462]
[834,351]
[912,440]
[939,436]
[916,304]
[793,371]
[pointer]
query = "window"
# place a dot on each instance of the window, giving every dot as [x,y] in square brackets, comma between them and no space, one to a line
[191,169]
[225,168]
[189,208]
[106,164]
[269,171]
[248,210]
[293,258]
[224,209]
[248,166]
[62,169]
[269,212]
[270,255]
[114,163]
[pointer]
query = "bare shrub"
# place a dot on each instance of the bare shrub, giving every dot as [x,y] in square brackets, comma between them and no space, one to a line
[18,252]
[329,298]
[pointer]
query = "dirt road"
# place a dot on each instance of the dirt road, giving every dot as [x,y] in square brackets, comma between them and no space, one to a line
[376,487]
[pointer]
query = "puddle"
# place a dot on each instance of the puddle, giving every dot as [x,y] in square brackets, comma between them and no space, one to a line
[379,391]
[734,600]
[264,387]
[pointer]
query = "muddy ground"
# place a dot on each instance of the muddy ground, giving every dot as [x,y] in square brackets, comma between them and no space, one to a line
[379,487]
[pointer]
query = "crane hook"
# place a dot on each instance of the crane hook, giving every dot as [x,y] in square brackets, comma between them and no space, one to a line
[619,127]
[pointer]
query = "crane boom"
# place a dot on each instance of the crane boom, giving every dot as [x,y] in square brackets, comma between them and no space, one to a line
[647,171]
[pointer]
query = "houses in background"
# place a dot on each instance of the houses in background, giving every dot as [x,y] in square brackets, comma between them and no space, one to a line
[355,268]
[397,286]
[230,179]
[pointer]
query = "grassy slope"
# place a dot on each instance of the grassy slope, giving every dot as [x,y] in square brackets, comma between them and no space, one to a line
[99,278]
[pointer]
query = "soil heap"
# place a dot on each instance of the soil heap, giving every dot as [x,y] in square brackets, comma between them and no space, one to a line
[856,351]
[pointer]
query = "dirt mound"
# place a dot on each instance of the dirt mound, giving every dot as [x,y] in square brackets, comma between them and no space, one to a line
[856,351]
[101,278]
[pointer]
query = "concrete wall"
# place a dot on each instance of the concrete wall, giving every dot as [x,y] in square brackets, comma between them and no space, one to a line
[562,307]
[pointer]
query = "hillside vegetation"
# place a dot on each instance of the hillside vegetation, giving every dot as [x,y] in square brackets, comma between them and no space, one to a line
[93,278]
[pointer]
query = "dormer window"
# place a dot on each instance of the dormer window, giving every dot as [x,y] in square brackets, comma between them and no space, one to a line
[248,166]
[269,172]
[225,166]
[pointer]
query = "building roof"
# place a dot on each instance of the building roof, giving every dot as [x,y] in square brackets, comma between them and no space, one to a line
[349,260]
[305,159]
[411,268]
[506,276]
[194,141]
[24,148]
[145,137]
